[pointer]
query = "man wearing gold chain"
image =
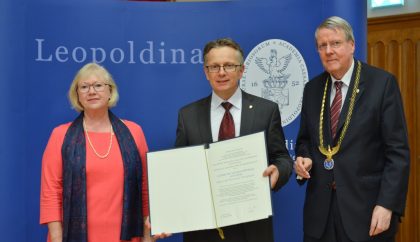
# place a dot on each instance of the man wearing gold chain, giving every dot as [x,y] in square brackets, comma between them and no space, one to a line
[352,147]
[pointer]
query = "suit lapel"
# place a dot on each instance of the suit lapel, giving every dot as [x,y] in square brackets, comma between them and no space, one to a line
[361,85]
[204,121]
[327,121]
[247,114]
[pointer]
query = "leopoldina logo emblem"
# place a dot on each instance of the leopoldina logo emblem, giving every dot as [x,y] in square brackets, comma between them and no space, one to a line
[275,70]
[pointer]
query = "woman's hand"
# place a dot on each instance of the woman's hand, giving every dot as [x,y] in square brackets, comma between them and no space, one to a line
[55,230]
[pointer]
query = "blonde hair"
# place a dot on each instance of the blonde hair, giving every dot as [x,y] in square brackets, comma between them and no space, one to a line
[85,72]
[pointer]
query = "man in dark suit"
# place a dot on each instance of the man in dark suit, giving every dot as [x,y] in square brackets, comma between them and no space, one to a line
[352,146]
[200,121]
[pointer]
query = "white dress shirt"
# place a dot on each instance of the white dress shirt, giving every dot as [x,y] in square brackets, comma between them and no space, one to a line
[345,87]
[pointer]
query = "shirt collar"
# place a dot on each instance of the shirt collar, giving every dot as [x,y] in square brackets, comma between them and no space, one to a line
[347,77]
[235,99]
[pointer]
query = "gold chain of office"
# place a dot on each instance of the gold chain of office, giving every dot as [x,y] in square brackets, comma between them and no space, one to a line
[330,152]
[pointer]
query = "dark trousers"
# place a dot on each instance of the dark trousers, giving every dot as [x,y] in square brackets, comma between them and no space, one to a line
[256,231]
[334,231]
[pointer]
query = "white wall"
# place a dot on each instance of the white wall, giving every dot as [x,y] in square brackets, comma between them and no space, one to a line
[410,6]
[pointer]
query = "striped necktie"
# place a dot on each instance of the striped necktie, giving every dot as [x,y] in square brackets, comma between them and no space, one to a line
[336,107]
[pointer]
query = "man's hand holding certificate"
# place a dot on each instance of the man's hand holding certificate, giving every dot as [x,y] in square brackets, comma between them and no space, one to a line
[209,186]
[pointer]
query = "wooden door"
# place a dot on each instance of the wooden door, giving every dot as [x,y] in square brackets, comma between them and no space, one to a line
[394,45]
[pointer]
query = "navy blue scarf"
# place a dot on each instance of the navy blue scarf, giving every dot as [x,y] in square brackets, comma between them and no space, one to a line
[73,153]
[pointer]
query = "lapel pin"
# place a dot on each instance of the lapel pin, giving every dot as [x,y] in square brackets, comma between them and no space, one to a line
[358,90]
[250,106]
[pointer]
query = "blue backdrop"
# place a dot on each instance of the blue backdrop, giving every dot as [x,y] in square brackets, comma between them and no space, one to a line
[153,50]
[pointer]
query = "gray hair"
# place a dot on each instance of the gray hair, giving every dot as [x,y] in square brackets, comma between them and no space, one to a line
[335,23]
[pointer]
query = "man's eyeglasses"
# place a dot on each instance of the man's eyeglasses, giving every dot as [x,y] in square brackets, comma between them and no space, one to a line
[334,45]
[97,86]
[226,68]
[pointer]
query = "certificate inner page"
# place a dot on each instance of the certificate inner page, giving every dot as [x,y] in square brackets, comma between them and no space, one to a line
[240,192]
[179,190]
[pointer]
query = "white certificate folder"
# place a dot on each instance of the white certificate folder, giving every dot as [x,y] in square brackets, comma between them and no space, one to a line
[209,186]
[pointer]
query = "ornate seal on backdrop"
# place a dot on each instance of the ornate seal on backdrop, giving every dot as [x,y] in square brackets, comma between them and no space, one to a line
[275,70]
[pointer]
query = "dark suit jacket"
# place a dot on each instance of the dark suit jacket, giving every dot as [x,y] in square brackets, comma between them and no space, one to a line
[372,165]
[258,114]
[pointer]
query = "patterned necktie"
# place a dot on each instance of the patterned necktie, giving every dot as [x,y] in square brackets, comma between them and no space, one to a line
[336,107]
[227,126]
